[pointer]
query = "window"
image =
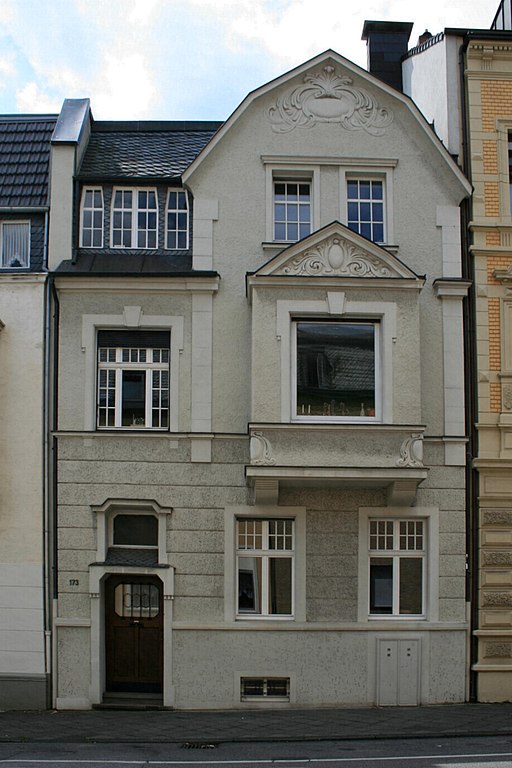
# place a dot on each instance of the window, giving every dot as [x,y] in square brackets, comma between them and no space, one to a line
[397,562]
[129,530]
[292,210]
[510,167]
[15,246]
[177,220]
[265,557]
[92,218]
[274,688]
[365,208]
[336,365]
[133,379]
[134,218]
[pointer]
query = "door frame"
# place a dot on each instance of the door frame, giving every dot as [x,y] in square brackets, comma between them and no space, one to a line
[98,574]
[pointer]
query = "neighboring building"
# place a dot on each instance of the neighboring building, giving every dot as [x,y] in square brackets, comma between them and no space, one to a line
[462,81]
[24,609]
[260,436]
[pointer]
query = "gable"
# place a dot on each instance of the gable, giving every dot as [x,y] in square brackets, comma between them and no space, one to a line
[336,251]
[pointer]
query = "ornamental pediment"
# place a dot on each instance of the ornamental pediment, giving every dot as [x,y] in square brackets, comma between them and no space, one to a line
[336,251]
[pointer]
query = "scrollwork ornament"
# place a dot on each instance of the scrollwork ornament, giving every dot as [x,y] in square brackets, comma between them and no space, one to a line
[337,257]
[328,97]
[261,450]
[411,452]
[507,397]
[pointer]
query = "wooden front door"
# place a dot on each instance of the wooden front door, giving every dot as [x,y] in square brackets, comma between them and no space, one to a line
[134,634]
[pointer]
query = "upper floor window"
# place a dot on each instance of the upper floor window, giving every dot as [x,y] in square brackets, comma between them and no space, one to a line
[177,219]
[336,370]
[15,244]
[397,564]
[91,232]
[133,379]
[292,209]
[365,208]
[510,167]
[134,218]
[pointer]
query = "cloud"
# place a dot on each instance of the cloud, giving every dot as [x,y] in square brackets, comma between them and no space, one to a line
[31,99]
[126,89]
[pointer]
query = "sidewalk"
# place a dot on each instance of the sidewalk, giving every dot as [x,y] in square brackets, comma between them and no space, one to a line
[196,728]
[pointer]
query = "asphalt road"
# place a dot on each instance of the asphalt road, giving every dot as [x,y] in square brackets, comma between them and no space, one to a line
[481,752]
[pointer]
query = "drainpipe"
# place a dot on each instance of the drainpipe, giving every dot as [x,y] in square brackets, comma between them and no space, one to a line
[472,479]
[46,553]
[53,423]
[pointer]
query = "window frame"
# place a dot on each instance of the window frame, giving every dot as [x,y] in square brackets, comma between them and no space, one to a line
[92,189]
[358,178]
[3,224]
[118,366]
[346,320]
[264,554]
[131,513]
[287,221]
[231,514]
[396,554]
[178,191]
[291,171]
[430,518]
[135,211]
[371,170]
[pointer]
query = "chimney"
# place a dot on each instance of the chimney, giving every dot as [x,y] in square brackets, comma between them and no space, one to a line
[424,37]
[386,43]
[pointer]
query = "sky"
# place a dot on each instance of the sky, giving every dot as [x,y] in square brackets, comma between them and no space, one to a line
[186,59]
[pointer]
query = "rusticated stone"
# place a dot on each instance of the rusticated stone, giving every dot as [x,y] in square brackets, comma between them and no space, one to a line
[498,650]
[497,558]
[497,517]
[497,599]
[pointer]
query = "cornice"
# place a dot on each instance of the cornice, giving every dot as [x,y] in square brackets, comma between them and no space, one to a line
[66,283]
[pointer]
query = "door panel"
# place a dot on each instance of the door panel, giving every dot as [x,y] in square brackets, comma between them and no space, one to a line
[134,634]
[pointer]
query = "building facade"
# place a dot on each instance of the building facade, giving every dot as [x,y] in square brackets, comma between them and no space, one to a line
[25,650]
[260,440]
[475,121]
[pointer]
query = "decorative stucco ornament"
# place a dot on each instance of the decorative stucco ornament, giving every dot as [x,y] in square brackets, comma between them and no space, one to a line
[507,397]
[411,452]
[336,256]
[327,97]
[261,449]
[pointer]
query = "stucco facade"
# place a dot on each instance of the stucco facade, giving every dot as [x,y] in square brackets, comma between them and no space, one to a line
[268,504]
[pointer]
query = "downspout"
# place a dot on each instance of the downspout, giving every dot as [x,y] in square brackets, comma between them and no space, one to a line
[54,453]
[470,356]
[47,559]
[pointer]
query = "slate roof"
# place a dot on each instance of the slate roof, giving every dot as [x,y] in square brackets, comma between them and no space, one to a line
[144,150]
[24,159]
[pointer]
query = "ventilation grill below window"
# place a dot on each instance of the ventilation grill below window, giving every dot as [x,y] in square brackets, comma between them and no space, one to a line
[265,688]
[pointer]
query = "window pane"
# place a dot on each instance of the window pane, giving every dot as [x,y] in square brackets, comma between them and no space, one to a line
[249,585]
[411,585]
[134,398]
[135,530]
[381,585]
[280,585]
[15,244]
[336,369]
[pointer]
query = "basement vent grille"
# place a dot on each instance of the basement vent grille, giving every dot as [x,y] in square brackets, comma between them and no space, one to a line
[269,688]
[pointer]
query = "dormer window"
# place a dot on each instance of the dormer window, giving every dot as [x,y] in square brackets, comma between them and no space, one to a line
[91,231]
[134,218]
[177,220]
[15,245]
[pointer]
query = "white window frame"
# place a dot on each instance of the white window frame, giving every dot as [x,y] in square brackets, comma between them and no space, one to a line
[130,512]
[336,306]
[288,222]
[231,515]
[135,210]
[118,366]
[177,211]
[264,554]
[377,383]
[396,554]
[92,189]
[293,172]
[430,518]
[132,318]
[3,224]
[372,178]
[372,170]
